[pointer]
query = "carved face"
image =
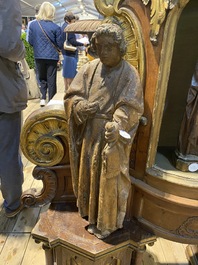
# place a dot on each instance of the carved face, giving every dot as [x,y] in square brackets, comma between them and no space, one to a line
[108,50]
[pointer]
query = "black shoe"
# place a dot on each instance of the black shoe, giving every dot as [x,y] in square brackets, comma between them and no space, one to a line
[15,212]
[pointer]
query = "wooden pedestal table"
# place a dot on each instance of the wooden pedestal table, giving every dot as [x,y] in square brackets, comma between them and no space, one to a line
[66,240]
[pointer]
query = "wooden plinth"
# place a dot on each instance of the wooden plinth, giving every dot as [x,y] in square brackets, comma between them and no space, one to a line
[66,240]
[182,163]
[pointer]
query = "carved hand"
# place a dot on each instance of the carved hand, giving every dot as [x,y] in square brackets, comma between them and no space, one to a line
[84,109]
[112,132]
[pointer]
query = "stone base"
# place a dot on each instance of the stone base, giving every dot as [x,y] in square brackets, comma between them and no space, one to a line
[66,240]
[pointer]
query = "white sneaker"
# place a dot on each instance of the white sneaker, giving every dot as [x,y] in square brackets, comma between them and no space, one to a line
[42,102]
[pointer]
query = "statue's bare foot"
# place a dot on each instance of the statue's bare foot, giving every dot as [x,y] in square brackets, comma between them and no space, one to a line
[102,235]
[91,229]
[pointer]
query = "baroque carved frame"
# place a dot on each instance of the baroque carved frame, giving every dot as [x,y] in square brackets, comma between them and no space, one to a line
[164,72]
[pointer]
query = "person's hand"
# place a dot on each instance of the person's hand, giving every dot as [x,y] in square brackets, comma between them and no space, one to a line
[111,132]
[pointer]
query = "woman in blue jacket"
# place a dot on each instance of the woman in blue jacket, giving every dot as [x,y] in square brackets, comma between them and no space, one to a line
[45,37]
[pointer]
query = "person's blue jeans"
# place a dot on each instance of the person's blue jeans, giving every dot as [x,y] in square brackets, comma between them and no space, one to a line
[11,168]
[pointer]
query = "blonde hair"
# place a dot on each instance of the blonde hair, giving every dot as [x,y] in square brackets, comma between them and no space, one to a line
[46,12]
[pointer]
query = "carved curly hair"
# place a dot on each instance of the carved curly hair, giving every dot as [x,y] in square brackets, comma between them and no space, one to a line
[113,30]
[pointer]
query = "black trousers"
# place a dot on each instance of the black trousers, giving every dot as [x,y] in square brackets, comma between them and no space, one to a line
[11,168]
[47,72]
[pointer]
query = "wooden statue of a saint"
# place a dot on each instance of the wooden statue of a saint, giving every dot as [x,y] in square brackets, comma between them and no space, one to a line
[188,135]
[103,107]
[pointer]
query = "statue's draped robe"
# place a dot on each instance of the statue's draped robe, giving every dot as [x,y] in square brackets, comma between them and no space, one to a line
[188,136]
[100,171]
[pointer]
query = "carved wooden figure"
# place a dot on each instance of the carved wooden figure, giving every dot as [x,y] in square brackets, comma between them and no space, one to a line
[103,106]
[187,151]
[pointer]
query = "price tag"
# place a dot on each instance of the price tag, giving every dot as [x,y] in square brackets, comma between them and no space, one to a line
[193,167]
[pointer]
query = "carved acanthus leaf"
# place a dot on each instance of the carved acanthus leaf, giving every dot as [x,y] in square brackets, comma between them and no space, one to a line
[104,7]
[158,14]
[189,228]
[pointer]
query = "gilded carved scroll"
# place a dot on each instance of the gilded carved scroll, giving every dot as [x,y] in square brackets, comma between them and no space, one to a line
[43,138]
[32,198]
[43,142]
[159,10]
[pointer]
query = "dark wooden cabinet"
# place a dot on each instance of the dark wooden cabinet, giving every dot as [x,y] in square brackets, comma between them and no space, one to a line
[165,198]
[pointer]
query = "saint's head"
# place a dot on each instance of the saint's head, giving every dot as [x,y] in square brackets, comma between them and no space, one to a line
[109,43]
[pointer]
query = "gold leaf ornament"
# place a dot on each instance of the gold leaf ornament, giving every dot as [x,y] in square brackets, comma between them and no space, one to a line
[158,14]
[43,138]
[107,7]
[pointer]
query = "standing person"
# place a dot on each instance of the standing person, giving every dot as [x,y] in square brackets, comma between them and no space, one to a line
[70,58]
[37,7]
[46,38]
[103,106]
[23,28]
[13,99]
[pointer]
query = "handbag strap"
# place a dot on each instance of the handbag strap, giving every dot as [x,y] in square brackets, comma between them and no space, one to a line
[58,50]
[66,37]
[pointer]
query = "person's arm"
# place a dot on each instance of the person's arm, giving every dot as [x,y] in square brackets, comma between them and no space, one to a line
[72,40]
[27,32]
[11,45]
[30,33]
[59,38]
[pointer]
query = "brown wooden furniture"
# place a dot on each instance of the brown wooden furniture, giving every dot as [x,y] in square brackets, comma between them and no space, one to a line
[162,45]
[66,240]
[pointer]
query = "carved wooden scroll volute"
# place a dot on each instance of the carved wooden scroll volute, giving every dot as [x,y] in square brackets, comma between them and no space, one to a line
[44,143]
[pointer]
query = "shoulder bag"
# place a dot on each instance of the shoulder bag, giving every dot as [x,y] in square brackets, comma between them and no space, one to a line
[67,46]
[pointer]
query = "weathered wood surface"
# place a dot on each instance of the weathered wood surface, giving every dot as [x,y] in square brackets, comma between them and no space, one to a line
[18,248]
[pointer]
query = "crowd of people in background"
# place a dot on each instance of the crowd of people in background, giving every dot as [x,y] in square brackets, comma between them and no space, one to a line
[47,39]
